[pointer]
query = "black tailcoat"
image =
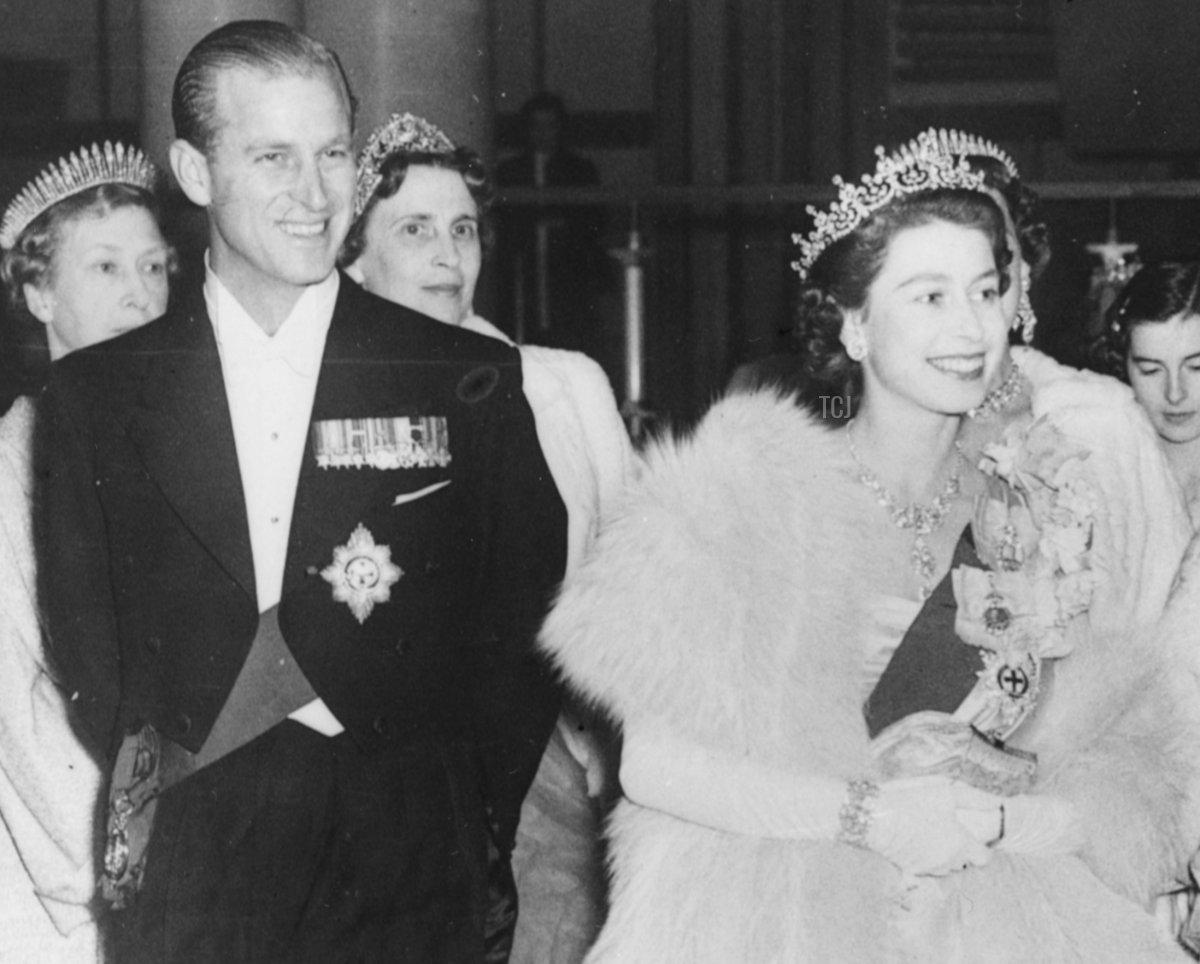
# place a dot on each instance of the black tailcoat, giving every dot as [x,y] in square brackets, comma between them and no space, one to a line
[147,579]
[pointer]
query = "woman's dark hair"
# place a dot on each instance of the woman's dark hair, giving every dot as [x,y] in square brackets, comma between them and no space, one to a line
[1032,234]
[1160,291]
[841,277]
[391,176]
[31,260]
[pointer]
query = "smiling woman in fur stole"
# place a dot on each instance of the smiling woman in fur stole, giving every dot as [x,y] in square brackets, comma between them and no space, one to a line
[883,701]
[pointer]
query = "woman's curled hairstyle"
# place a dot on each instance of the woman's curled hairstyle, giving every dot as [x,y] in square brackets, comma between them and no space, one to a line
[1033,234]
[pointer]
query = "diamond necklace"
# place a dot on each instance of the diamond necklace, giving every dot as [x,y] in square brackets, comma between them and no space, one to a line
[922,519]
[1000,397]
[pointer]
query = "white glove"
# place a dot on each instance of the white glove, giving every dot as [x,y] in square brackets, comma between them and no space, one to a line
[932,825]
[925,825]
[1035,824]
[717,789]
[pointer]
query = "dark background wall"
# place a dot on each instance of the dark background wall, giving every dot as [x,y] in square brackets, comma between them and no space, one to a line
[719,94]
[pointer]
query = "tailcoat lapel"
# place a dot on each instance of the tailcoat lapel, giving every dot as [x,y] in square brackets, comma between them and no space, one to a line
[183,432]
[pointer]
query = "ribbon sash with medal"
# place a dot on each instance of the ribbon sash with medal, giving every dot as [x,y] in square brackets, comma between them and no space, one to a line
[914,716]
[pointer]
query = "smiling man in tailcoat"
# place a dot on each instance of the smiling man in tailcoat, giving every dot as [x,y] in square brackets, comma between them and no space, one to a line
[295,543]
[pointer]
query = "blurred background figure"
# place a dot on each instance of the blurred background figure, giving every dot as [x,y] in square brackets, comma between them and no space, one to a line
[418,239]
[546,159]
[84,259]
[553,271]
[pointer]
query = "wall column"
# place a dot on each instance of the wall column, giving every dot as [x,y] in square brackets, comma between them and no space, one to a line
[428,57]
[170,28]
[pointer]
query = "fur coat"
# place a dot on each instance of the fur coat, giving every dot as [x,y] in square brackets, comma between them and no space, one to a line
[728,594]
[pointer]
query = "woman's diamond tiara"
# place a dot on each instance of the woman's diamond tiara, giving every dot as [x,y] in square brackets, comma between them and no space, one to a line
[82,169]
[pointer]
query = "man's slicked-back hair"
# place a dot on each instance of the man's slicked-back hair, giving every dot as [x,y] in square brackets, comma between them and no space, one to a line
[266,46]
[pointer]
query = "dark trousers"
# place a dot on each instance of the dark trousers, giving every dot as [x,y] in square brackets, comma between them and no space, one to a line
[300,848]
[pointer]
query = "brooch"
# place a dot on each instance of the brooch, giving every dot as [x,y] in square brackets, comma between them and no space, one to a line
[362,573]
[382,443]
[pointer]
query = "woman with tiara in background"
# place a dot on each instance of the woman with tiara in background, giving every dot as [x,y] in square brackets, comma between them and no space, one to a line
[880,700]
[417,239]
[84,259]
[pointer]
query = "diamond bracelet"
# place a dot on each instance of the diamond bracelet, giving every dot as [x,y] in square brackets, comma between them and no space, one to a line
[856,813]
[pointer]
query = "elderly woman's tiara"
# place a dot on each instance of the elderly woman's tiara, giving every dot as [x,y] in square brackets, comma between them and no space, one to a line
[82,169]
[935,159]
[401,132]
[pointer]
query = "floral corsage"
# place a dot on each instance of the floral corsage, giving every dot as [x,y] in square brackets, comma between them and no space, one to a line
[1033,530]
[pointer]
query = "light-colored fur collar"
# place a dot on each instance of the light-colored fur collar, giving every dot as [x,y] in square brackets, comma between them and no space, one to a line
[723,588]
